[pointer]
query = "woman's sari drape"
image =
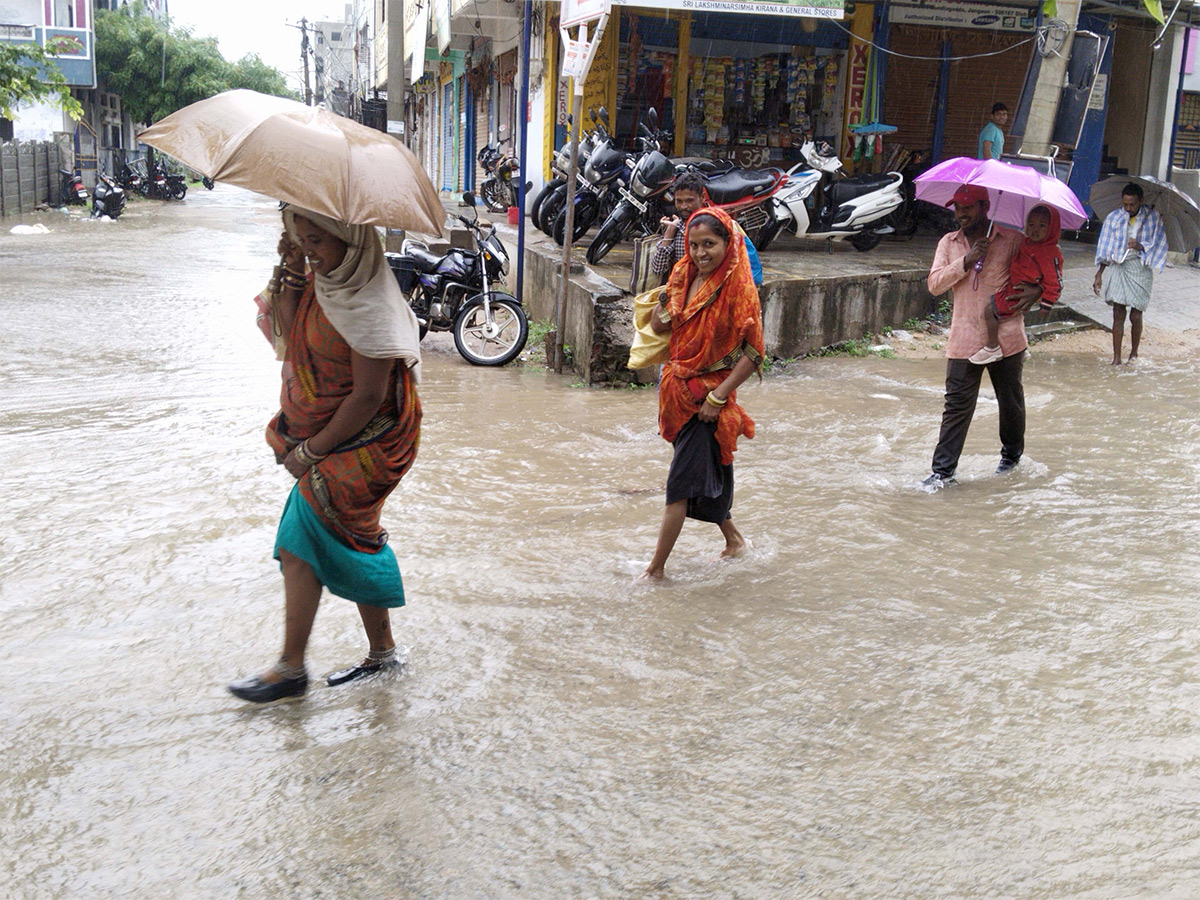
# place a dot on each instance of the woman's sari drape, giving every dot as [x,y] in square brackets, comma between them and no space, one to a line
[708,336]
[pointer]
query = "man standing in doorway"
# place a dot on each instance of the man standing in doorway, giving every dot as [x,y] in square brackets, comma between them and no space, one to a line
[991,139]
[975,266]
[1134,242]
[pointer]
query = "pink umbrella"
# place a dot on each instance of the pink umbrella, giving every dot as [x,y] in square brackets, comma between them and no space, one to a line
[1012,190]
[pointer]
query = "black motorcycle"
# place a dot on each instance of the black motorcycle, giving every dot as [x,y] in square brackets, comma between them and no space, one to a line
[108,199]
[71,190]
[454,293]
[499,191]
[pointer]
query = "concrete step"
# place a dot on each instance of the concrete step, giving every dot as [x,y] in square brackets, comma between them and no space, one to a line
[1062,326]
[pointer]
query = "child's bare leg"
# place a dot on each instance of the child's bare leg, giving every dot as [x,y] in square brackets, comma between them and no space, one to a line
[1135,332]
[993,326]
[1118,332]
[735,544]
[668,534]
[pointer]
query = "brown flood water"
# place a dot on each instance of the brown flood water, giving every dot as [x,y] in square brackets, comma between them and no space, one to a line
[991,692]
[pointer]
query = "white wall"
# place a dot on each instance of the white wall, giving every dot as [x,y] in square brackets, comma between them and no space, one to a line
[38,122]
[21,12]
[1160,112]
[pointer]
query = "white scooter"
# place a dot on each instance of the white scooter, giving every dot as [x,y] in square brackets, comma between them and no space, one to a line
[852,207]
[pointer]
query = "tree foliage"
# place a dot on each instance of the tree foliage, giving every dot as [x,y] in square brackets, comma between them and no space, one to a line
[28,74]
[157,69]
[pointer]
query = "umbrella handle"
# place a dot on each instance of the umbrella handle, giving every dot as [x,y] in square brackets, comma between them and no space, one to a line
[275,285]
[979,262]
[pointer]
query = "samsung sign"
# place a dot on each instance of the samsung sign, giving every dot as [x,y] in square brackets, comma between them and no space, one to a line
[966,15]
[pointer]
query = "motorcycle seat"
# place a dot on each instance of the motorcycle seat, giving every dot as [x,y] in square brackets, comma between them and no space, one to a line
[701,164]
[856,186]
[424,260]
[741,184]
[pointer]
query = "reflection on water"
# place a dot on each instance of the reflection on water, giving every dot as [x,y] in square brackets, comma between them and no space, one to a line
[983,693]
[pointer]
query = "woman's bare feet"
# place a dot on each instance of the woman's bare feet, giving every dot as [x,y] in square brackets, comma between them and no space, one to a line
[735,548]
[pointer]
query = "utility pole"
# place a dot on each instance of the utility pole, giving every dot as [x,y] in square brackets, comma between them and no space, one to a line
[395,70]
[304,59]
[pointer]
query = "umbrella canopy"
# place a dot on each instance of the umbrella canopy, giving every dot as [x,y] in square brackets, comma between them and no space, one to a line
[302,155]
[1012,190]
[1180,214]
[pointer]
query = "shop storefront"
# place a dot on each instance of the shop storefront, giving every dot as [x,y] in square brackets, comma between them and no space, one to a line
[738,86]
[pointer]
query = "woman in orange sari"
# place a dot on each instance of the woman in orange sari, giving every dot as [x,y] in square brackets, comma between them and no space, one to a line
[711,308]
[347,430]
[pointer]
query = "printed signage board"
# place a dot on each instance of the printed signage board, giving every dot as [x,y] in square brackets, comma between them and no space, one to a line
[577,12]
[574,56]
[819,9]
[966,15]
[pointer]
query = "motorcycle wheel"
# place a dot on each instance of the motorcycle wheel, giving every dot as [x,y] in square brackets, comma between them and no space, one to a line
[767,234]
[178,191]
[609,235]
[864,241]
[551,207]
[495,196]
[585,218]
[208,183]
[535,210]
[494,343]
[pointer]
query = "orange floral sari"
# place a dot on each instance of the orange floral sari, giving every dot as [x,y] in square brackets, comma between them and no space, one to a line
[347,489]
[708,336]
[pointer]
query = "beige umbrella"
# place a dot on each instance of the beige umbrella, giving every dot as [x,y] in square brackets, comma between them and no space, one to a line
[303,155]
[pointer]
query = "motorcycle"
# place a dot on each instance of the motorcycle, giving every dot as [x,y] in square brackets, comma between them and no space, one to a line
[607,169]
[208,183]
[71,191]
[855,208]
[108,199]
[455,292]
[548,204]
[131,179]
[740,192]
[499,191]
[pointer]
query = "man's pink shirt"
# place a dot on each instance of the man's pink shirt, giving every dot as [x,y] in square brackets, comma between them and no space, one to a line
[972,294]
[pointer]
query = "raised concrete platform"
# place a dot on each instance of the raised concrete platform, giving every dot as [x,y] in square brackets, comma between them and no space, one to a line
[813,297]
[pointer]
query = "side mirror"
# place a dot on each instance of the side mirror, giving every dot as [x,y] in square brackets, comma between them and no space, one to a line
[603,113]
[652,116]
[592,113]
[469,199]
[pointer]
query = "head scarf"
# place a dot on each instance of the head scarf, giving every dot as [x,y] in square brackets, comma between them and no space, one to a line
[734,268]
[1054,230]
[360,297]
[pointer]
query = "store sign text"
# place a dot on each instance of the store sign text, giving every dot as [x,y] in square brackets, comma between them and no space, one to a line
[963,15]
[817,9]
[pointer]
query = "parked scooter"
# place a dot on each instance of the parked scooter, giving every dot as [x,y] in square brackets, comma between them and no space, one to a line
[108,199]
[855,208]
[455,292]
[71,191]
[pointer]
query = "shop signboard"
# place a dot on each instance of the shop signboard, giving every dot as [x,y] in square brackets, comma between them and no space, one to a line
[990,17]
[416,27]
[819,9]
[441,11]
[577,12]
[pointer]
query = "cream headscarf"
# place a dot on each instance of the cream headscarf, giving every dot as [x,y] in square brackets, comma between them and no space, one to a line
[360,297]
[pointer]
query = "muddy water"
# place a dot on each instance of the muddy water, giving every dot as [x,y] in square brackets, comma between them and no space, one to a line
[986,693]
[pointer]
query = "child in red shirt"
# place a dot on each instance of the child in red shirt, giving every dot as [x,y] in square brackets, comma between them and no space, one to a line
[1038,261]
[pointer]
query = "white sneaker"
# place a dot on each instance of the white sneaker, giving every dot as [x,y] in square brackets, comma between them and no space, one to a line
[985,355]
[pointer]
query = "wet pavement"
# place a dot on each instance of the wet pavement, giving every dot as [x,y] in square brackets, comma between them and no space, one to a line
[986,693]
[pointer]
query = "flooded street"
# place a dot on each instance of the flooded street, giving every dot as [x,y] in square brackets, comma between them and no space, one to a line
[989,692]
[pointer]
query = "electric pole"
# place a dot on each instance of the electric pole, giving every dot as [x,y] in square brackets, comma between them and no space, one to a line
[395,69]
[304,59]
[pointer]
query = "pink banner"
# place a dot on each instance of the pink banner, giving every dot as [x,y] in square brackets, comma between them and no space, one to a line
[1189,51]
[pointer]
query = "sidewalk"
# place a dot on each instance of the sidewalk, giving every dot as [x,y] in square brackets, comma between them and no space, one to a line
[1174,303]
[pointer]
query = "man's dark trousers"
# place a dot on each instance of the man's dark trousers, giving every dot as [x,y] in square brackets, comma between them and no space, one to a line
[962,391]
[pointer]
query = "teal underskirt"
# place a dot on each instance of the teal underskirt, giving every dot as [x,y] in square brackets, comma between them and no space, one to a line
[370,578]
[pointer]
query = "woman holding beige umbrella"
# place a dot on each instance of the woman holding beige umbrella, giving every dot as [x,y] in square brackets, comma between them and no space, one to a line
[349,419]
[347,430]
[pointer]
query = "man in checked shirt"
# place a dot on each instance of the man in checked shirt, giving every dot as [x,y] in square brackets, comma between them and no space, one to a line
[672,246]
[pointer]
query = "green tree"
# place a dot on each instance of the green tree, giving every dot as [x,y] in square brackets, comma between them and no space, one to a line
[28,74]
[158,70]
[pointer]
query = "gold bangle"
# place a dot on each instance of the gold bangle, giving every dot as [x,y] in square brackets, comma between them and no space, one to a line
[663,316]
[305,457]
[713,401]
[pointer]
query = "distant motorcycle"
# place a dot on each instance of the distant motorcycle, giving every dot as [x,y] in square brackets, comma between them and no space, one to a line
[71,191]
[108,199]
[454,292]
[499,191]
[208,183]
[856,208]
